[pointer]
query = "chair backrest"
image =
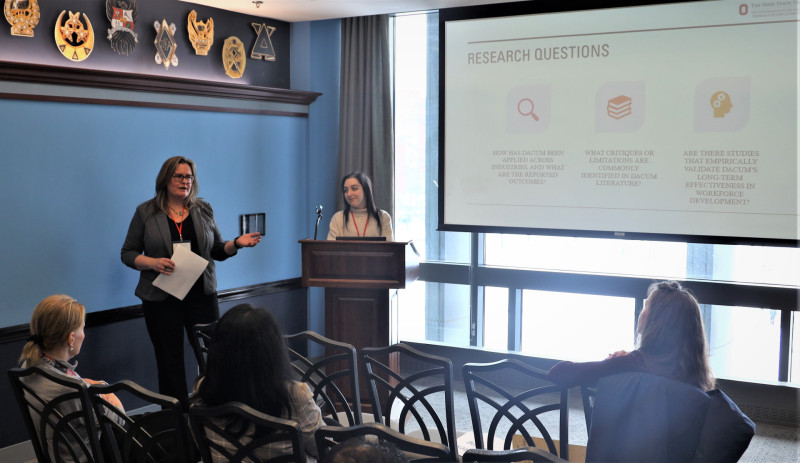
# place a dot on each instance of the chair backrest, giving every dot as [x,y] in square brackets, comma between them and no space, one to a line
[236,432]
[508,398]
[330,369]
[536,455]
[415,449]
[58,415]
[151,437]
[645,417]
[201,337]
[726,432]
[412,391]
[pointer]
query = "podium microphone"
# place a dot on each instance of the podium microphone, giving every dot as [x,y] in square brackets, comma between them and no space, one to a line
[319,216]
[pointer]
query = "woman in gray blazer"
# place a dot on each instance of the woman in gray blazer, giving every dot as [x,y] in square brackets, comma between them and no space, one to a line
[176,217]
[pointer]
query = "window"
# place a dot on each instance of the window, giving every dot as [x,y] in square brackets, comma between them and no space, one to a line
[744,341]
[576,327]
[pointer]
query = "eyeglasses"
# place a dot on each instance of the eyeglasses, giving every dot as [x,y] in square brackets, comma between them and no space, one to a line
[182,178]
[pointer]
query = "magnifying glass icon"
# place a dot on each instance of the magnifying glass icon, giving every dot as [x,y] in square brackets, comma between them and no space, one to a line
[525,108]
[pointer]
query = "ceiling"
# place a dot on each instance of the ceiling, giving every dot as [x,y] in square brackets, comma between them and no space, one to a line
[312,10]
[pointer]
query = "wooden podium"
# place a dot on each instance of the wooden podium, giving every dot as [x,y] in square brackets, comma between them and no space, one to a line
[357,277]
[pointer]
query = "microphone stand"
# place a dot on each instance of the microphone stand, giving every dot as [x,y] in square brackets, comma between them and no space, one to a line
[319,216]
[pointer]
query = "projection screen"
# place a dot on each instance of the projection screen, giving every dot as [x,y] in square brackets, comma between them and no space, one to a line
[673,121]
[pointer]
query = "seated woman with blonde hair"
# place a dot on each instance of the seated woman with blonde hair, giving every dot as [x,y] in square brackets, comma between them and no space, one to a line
[56,337]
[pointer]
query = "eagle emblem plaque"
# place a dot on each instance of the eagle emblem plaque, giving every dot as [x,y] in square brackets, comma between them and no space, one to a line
[201,33]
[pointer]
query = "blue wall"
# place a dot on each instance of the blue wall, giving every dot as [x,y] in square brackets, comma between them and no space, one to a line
[325,64]
[73,173]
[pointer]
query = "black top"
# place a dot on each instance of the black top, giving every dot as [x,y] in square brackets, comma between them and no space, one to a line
[188,234]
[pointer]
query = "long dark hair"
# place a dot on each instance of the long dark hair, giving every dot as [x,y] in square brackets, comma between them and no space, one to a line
[366,185]
[248,363]
[672,337]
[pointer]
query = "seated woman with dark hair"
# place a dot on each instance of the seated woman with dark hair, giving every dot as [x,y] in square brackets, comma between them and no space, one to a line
[248,363]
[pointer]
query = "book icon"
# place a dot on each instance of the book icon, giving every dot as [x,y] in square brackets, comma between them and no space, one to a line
[619,107]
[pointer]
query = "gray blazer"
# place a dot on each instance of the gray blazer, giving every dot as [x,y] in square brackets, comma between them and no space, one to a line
[149,233]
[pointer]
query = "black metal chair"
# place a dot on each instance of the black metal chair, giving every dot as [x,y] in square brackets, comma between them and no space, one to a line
[416,450]
[533,454]
[330,369]
[235,432]
[154,437]
[417,397]
[588,395]
[59,417]
[513,398]
[201,338]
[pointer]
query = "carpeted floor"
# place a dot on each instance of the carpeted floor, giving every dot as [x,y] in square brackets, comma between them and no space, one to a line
[773,444]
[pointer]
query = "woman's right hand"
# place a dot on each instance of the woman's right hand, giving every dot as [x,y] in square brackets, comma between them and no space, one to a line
[162,265]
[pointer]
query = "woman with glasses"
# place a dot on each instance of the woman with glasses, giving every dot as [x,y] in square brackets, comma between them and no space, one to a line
[176,217]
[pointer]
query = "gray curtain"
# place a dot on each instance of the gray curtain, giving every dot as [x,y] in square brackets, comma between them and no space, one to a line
[366,137]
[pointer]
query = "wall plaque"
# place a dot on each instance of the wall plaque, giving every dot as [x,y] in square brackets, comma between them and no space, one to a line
[122,14]
[201,33]
[74,38]
[263,47]
[234,57]
[165,44]
[23,15]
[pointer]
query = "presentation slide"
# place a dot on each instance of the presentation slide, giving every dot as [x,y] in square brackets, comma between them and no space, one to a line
[673,119]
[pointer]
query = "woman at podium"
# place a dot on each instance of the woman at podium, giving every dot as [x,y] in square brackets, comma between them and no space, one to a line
[360,217]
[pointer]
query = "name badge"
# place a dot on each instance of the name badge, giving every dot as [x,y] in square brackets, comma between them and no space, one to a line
[185,243]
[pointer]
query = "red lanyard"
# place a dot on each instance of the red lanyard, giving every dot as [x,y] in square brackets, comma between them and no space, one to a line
[179,226]
[355,224]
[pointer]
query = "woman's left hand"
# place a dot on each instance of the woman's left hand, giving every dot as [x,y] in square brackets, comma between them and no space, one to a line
[248,240]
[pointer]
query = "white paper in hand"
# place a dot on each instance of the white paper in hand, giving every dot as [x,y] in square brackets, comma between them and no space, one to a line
[188,268]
